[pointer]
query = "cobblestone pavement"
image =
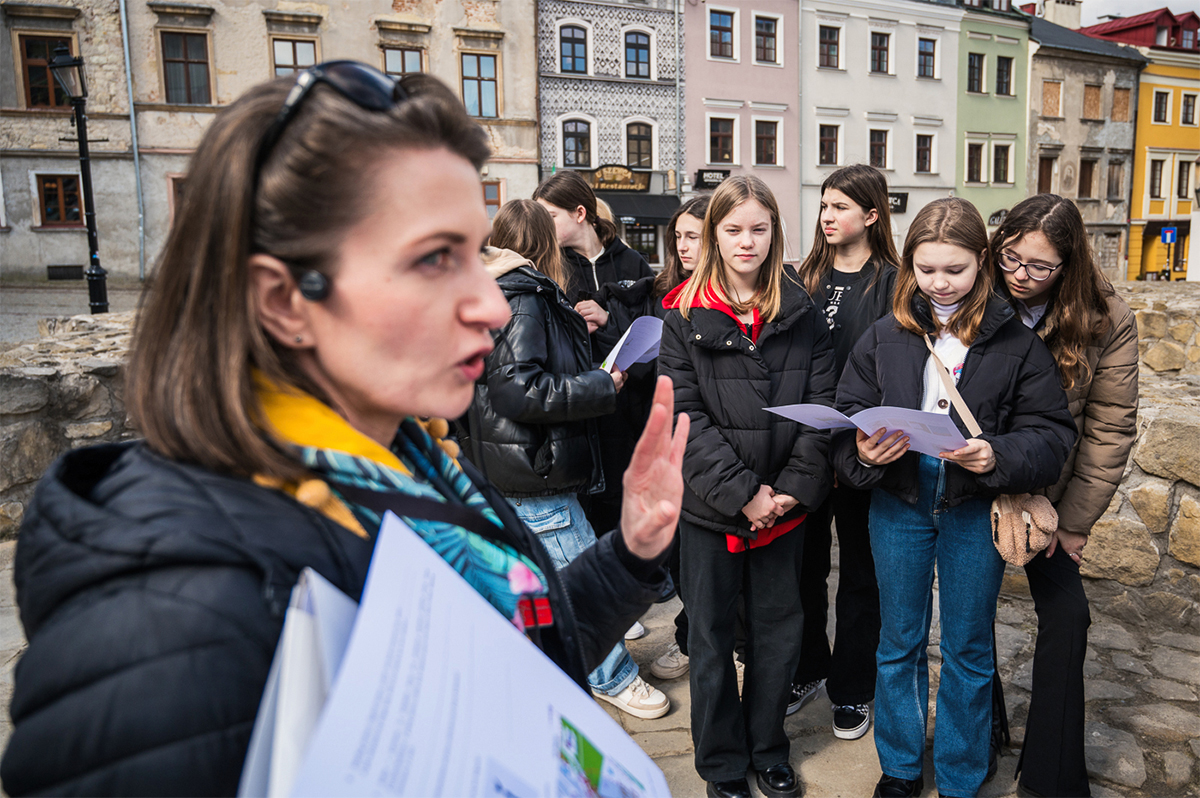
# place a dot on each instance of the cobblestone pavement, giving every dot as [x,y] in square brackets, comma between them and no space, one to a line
[1143,720]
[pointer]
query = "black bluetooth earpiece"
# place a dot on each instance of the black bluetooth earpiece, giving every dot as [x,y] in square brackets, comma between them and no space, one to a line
[314,286]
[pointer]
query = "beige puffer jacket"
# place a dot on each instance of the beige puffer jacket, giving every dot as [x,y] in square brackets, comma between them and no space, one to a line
[1105,412]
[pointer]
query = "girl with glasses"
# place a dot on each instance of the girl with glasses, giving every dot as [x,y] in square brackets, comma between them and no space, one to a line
[1050,278]
[929,512]
[313,301]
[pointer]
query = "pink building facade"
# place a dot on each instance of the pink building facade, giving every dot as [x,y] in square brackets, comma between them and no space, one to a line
[741,96]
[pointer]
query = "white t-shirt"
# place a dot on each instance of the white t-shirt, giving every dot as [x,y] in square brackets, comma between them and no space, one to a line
[1031,315]
[952,352]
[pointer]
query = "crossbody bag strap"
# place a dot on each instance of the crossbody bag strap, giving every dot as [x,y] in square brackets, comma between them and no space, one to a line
[964,412]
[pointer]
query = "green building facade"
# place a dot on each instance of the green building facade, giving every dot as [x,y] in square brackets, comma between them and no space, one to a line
[993,76]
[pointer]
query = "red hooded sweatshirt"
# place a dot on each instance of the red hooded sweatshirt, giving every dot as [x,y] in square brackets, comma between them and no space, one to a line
[711,298]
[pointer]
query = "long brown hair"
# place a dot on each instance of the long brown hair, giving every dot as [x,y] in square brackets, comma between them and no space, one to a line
[950,220]
[768,291]
[672,273]
[527,228]
[1077,314]
[867,187]
[190,385]
[568,190]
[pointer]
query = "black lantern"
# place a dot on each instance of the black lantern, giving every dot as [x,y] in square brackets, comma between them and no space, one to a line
[68,72]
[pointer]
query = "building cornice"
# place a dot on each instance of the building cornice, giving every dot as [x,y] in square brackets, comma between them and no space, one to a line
[39,10]
[180,9]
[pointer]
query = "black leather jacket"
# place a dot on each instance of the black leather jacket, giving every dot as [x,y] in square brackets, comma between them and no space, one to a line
[536,403]
[153,593]
[1009,381]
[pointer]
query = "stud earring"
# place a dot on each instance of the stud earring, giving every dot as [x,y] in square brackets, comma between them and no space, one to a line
[299,339]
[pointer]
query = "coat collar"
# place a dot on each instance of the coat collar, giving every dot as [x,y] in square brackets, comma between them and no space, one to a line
[997,313]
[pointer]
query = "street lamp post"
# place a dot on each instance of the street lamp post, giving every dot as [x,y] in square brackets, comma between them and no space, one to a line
[68,71]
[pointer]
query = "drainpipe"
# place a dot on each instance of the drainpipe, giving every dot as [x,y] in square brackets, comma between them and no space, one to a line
[678,110]
[137,163]
[800,118]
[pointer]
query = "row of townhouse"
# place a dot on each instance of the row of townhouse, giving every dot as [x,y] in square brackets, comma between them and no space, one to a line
[651,100]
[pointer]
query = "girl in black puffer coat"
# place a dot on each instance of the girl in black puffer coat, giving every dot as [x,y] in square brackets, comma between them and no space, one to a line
[929,511]
[535,416]
[743,336]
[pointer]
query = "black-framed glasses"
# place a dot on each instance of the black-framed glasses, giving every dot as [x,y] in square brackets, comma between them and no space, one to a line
[361,84]
[1035,271]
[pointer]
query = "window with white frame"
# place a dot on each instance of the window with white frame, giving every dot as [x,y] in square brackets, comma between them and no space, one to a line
[1183,182]
[723,33]
[480,84]
[573,49]
[1002,163]
[877,148]
[881,53]
[768,39]
[829,144]
[401,61]
[1004,76]
[767,136]
[639,145]
[976,166]
[577,143]
[927,57]
[1187,110]
[637,54]
[1156,178]
[722,139]
[1161,114]
[289,56]
[924,162]
[829,46]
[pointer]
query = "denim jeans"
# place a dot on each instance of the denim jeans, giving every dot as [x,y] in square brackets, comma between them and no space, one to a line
[907,542]
[560,524]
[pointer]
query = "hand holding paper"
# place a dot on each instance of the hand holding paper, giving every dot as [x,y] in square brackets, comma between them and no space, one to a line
[639,344]
[928,433]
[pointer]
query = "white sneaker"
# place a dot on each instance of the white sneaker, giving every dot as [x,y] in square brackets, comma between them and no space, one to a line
[671,665]
[636,632]
[639,699]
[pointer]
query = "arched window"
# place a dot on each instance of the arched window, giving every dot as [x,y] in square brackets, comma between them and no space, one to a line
[577,144]
[638,145]
[637,55]
[572,48]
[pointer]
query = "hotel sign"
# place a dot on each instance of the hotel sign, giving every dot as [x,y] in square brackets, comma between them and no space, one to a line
[710,178]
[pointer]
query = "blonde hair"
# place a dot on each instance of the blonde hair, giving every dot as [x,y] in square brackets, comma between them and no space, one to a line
[711,270]
[527,228]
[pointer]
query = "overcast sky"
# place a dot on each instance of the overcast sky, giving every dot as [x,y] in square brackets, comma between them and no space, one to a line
[1094,9]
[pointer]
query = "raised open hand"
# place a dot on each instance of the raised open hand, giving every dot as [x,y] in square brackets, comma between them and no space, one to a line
[654,480]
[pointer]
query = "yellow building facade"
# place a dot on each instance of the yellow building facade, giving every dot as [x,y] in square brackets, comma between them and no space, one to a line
[1166,171]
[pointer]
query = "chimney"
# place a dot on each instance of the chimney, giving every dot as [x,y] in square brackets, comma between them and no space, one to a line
[1064,12]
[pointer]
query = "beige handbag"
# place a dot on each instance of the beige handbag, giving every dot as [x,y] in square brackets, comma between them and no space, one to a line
[1022,523]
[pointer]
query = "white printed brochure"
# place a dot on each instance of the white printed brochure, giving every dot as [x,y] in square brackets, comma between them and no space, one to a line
[639,344]
[928,433]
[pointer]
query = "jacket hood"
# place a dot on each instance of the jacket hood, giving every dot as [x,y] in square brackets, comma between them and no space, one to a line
[499,262]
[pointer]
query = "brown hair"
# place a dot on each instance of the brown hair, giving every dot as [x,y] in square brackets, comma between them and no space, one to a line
[768,293]
[526,228]
[568,190]
[1077,314]
[950,220]
[672,273]
[867,187]
[190,385]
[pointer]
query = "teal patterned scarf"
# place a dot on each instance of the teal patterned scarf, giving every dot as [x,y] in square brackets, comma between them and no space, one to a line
[497,571]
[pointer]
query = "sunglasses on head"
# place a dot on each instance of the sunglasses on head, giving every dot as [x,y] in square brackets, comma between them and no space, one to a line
[363,85]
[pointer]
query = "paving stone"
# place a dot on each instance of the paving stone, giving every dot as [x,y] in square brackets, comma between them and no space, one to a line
[1113,636]
[1161,721]
[1103,690]
[1127,663]
[1178,767]
[1183,666]
[1168,690]
[1010,642]
[1177,640]
[664,743]
[1113,755]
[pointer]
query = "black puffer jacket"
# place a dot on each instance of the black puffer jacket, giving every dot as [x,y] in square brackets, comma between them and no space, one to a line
[618,264]
[1009,381]
[537,401]
[152,595]
[723,382]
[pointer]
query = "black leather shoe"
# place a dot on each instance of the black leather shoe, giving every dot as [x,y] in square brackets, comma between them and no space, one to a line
[892,787]
[738,788]
[779,781]
[993,757]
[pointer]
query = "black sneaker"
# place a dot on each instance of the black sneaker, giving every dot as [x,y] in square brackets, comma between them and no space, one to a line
[802,694]
[892,787]
[851,721]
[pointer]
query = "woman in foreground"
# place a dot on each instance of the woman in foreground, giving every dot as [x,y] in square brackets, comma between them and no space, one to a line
[1047,271]
[312,301]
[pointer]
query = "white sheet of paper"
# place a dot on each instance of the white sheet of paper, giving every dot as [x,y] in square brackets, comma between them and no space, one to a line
[440,695]
[639,344]
[928,433]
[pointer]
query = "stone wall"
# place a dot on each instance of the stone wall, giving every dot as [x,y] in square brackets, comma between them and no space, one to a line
[64,391]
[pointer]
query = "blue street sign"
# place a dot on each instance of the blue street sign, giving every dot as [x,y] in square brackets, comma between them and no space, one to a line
[1168,235]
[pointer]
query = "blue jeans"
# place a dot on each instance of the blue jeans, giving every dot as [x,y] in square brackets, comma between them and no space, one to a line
[907,541]
[560,524]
